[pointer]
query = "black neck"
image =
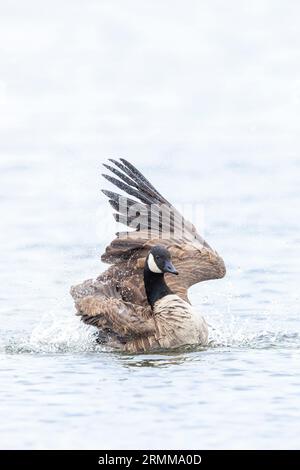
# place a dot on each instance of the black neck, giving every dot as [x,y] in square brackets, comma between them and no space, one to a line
[155,286]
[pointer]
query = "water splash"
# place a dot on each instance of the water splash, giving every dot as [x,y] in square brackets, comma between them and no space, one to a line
[56,335]
[235,332]
[68,335]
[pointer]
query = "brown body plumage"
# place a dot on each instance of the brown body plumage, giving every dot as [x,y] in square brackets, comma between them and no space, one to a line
[116,302]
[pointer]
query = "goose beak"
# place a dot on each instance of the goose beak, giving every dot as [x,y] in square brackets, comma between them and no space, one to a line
[170,268]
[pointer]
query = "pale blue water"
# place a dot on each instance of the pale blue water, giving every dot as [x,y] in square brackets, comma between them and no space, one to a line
[205,100]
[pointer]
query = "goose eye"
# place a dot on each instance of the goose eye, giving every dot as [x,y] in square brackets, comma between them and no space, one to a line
[157,257]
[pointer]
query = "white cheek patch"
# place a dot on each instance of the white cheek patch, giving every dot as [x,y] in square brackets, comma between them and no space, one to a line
[152,265]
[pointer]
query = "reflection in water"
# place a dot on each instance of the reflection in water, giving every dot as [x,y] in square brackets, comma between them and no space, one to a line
[163,360]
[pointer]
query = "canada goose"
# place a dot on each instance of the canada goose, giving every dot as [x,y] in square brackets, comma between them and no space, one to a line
[140,302]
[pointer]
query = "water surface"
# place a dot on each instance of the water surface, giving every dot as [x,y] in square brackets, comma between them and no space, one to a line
[205,100]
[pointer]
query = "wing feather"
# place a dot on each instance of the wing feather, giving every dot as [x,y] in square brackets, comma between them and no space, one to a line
[123,320]
[195,260]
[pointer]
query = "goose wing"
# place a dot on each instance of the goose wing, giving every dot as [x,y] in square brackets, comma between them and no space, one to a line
[121,320]
[153,221]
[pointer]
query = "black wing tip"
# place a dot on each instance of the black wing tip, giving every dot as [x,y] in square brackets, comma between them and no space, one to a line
[132,168]
[108,193]
[114,181]
[125,162]
[107,177]
[113,160]
[121,162]
[108,167]
[133,182]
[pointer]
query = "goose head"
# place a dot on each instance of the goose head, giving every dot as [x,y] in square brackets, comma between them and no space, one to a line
[159,261]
